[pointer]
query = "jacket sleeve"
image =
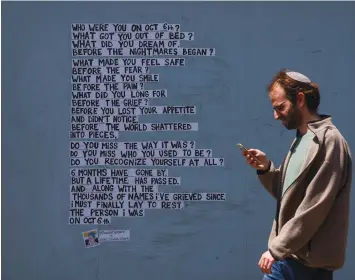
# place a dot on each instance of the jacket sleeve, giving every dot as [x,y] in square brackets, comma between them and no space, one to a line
[317,202]
[270,178]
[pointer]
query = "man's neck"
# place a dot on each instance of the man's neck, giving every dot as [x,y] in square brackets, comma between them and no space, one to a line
[307,118]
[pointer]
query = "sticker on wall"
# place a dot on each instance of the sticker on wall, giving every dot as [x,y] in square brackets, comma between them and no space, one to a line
[114,235]
[91,238]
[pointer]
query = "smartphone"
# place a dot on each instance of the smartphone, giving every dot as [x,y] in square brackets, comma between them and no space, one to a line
[240,146]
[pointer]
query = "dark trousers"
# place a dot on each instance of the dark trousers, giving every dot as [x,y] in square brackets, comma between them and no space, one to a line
[290,269]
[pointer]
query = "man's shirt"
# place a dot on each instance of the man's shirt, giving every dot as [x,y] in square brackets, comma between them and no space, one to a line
[298,156]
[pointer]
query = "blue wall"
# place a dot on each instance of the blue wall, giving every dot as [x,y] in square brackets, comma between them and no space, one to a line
[206,240]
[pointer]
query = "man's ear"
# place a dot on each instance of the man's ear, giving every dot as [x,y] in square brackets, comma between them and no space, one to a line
[301,99]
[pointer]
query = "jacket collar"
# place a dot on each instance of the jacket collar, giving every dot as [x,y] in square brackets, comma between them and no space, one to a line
[317,125]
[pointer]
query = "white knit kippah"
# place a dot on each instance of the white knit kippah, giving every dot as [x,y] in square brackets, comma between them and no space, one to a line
[298,77]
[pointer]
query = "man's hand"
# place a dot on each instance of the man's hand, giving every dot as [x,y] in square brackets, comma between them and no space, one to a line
[263,163]
[266,262]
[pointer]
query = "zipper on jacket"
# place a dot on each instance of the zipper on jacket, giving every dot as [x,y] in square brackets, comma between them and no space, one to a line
[309,248]
[278,205]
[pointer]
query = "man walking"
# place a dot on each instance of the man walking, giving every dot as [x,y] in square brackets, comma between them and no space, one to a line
[312,186]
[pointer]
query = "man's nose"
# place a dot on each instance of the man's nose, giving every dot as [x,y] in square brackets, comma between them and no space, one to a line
[276,115]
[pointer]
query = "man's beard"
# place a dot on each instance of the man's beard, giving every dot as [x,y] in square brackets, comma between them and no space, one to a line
[293,120]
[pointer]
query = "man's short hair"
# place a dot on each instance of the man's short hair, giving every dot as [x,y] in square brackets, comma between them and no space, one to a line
[294,82]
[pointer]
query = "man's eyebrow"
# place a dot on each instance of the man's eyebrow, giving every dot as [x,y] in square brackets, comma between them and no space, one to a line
[276,106]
